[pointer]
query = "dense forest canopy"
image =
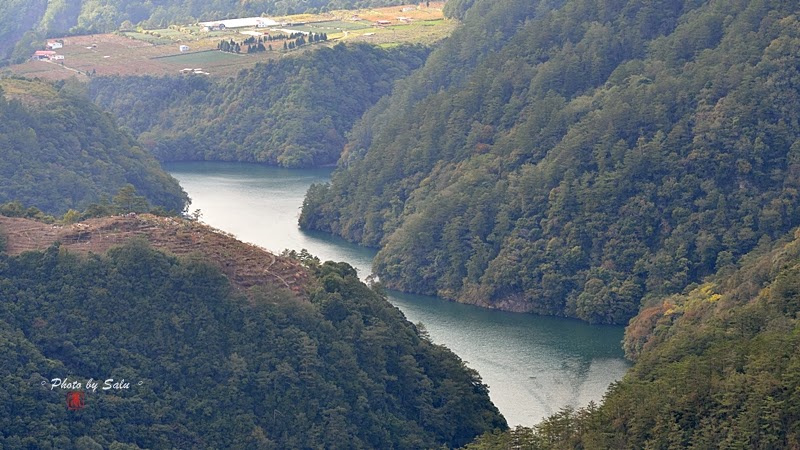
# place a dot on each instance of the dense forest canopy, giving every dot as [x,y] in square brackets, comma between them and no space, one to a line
[26,15]
[572,157]
[58,151]
[209,367]
[293,112]
[717,367]
[27,22]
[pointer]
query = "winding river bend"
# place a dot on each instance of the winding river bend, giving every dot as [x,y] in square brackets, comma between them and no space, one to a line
[533,365]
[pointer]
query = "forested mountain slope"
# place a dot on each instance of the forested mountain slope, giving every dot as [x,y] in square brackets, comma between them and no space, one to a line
[58,151]
[572,157]
[717,367]
[27,21]
[26,14]
[208,365]
[294,112]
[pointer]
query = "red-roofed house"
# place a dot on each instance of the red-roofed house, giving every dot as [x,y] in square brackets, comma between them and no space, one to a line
[41,55]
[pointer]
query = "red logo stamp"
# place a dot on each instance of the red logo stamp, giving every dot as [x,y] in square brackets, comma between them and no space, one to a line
[76,400]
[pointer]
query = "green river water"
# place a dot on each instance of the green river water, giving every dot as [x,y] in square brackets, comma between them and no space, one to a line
[533,365]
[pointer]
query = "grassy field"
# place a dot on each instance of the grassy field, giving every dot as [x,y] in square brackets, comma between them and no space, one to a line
[156,52]
[202,59]
[331,26]
[145,37]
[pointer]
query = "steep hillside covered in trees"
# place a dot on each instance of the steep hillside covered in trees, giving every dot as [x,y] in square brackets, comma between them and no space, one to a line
[209,365]
[572,157]
[26,15]
[58,151]
[26,22]
[717,367]
[294,112]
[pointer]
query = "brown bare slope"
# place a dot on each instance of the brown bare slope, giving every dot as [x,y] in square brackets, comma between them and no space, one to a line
[244,264]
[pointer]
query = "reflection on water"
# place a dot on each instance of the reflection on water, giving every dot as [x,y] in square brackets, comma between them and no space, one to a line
[533,365]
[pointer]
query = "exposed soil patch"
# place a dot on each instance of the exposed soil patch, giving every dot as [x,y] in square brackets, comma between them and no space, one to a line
[245,265]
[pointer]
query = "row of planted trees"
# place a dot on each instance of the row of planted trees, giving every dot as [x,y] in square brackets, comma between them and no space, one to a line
[261,44]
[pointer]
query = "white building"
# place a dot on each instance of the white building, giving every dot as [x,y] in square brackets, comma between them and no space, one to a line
[184,48]
[259,22]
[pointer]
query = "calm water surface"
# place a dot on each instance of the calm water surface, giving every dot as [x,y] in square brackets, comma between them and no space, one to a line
[533,365]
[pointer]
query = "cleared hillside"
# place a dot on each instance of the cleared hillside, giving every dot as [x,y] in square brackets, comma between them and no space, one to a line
[245,265]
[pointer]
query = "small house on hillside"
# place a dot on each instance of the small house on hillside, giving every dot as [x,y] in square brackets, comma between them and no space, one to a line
[43,55]
[53,45]
[184,48]
[383,22]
